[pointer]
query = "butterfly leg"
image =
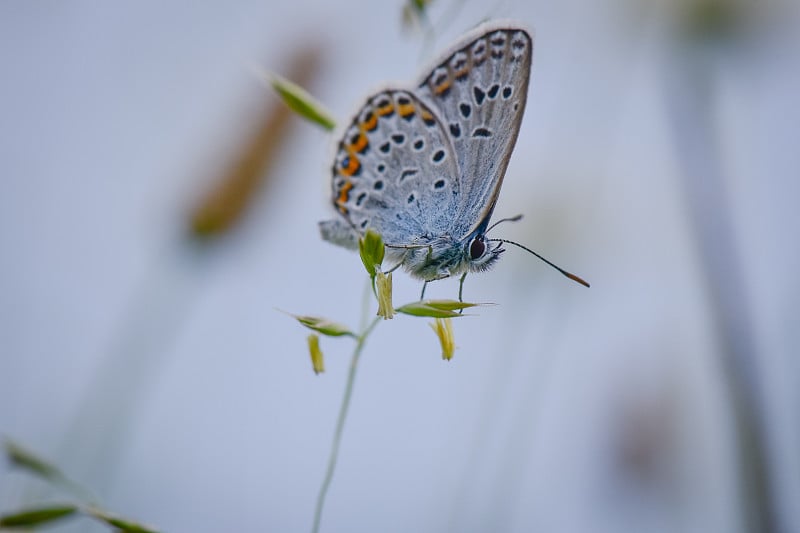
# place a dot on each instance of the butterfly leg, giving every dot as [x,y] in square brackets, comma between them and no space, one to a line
[424,286]
[461,289]
[394,268]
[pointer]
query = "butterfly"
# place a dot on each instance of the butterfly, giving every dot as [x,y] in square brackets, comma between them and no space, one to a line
[423,166]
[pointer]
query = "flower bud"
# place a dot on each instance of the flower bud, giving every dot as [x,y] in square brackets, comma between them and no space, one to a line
[317,363]
[443,327]
[383,286]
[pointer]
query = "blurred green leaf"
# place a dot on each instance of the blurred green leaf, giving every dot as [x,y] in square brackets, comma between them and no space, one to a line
[435,308]
[37,516]
[26,459]
[714,18]
[120,523]
[323,325]
[302,103]
[371,250]
[414,11]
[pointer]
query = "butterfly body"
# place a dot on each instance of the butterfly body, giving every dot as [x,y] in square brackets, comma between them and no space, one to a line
[424,166]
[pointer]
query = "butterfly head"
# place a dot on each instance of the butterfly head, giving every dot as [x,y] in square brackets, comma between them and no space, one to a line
[480,254]
[445,256]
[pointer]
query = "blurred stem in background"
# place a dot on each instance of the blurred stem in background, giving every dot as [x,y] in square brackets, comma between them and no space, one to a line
[340,421]
[710,30]
[222,208]
[106,415]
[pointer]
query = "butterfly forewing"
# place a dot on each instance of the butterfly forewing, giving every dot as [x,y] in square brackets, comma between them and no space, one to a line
[479,90]
[395,170]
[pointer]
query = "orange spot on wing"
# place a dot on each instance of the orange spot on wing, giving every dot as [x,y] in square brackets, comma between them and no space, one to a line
[353,164]
[405,109]
[388,109]
[344,195]
[360,144]
[442,88]
[371,122]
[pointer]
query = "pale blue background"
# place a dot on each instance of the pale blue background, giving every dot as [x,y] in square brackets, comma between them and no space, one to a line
[564,409]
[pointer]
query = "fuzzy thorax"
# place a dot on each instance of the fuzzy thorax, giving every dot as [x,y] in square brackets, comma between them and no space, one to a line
[445,256]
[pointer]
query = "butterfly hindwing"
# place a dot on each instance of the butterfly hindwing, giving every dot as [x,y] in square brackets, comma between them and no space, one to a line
[479,90]
[395,170]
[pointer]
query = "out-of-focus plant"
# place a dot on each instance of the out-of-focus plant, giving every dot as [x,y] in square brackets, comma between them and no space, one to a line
[707,34]
[81,502]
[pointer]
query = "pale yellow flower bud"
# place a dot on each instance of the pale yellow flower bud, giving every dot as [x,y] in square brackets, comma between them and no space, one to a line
[317,363]
[383,286]
[443,327]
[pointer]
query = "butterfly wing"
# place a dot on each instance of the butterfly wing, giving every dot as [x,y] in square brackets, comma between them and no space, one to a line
[479,90]
[395,172]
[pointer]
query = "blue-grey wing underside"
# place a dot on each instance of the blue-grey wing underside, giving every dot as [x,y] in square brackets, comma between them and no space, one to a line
[479,90]
[395,172]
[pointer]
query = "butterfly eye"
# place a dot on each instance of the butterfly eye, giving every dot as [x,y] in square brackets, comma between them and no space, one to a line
[476,248]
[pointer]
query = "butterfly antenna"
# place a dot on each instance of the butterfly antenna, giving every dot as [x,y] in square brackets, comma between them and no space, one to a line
[509,219]
[571,276]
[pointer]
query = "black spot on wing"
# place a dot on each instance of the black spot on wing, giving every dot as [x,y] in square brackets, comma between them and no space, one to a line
[407,173]
[455,130]
[479,94]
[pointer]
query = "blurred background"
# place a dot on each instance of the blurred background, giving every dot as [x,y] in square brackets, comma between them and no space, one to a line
[159,207]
